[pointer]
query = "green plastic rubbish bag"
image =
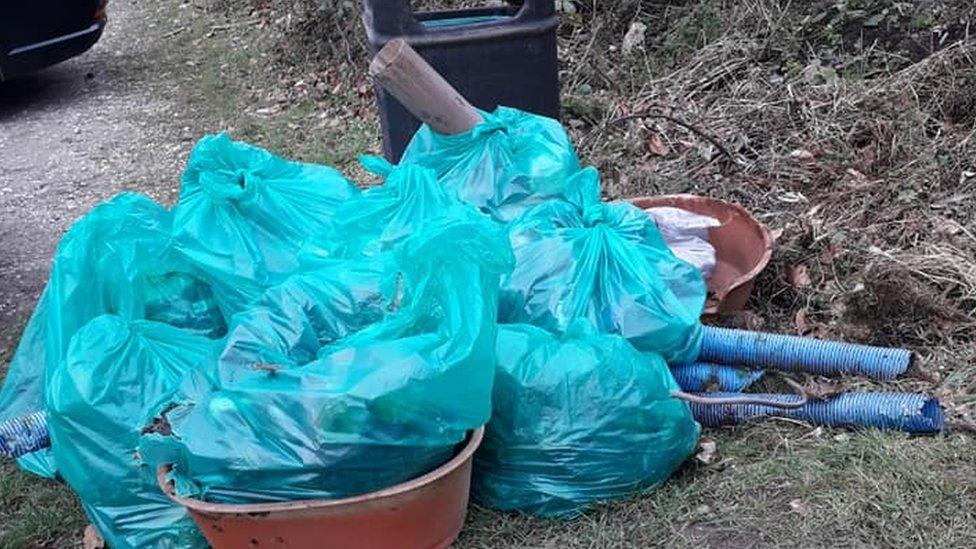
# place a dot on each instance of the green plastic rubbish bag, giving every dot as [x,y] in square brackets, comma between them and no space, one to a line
[607,262]
[577,419]
[116,259]
[244,213]
[382,216]
[504,165]
[291,322]
[114,372]
[380,406]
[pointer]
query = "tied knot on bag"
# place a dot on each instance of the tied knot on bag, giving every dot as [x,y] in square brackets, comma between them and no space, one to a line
[228,184]
[491,124]
[593,214]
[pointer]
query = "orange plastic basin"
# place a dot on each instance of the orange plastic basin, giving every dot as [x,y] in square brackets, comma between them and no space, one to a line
[427,512]
[742,245]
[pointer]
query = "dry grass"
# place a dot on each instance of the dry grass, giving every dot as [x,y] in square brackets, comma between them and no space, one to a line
[865,174]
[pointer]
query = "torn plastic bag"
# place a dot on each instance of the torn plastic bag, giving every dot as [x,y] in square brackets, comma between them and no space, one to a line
[686,234]
[577,419]
[244,213]
[582,258]
[114,372]
[381,406]
[504,165]
[116,259]
[377,219]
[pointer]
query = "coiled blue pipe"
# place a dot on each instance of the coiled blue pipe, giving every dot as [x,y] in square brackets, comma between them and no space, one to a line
[701,376]
[911,412]
[801,354]
[23,435]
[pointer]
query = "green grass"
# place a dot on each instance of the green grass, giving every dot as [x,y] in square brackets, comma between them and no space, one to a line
[35,512]
[778,485]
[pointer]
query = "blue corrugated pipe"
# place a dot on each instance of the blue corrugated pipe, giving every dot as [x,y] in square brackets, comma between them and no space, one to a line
[911,412]
[801,354]
[700,376]
[23,435]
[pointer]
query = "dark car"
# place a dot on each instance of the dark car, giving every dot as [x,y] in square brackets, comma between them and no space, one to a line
[38,33]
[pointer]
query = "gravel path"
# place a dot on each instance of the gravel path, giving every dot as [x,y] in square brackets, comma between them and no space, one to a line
[75,134]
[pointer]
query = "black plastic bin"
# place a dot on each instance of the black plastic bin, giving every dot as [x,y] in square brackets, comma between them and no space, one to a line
[493,56]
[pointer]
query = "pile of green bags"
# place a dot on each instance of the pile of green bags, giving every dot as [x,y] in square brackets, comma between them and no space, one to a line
[329,415]
[279,334]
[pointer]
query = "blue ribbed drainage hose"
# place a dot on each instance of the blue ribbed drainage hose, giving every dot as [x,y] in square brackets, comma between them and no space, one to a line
[911,412]
[700,376]
[800,354]
[23,435]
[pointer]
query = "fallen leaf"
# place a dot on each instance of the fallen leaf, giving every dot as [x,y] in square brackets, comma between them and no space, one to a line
[706,450]
[828,254]
[947,227]
[565,6]
[634,38]
[706,151]
[928,375]
[822,388]
[800,320]
[798,276]
[92,539]
[656,145]
[838,308]
[798,506]
[703,510]
[858,176]
[802,154]
[874,20]
[745,320]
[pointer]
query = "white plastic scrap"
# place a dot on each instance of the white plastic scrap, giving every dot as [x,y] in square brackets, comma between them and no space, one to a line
[686,234]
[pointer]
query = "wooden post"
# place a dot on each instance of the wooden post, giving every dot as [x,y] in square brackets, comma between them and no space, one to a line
[422,90]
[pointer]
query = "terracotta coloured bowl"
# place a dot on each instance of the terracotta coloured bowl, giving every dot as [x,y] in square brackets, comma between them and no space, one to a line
[742,245]
[424,513]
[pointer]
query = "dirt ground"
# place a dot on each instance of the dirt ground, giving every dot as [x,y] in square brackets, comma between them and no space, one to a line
[74,135]
[845,126]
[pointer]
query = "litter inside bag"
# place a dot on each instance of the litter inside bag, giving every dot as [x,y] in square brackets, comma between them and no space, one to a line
[577,419]
[582,258]
[686,234]
[291,322]
[375,408]
[244,213]
[504,165]
[114,372]
[116,259]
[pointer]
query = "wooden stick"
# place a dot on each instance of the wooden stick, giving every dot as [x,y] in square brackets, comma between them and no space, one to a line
[422,90]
